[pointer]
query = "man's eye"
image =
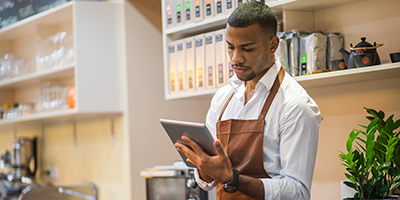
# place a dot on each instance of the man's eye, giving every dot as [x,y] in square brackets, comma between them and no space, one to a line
[230,48]
[248,50]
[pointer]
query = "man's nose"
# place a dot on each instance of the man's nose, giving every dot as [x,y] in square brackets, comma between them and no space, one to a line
[236,57]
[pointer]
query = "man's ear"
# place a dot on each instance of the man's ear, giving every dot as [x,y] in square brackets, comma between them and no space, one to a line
[274,42]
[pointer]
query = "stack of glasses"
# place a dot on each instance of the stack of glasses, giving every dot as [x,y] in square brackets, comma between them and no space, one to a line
[55,51]
[12,66]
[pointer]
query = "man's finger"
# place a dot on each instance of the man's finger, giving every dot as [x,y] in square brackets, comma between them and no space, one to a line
[218,146]
[196,148]
[187,151]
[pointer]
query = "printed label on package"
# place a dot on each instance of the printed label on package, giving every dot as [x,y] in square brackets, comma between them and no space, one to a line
[172,77]
[188,45]
[303,68]
[199,42]
[218,38]
[219,6]
[171,49]
[12,11]
[178,13]
[197,7]
[228,4]
[208,7]
[190,79]
[169,14]
[180,80]
[208,40]
[210,75]
[180,47]
[200,76]
[220,73]
[187,6]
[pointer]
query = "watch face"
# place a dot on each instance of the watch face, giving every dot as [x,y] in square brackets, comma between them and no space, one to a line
[229,189]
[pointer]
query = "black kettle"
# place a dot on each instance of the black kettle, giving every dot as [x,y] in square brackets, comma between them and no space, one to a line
[361,48]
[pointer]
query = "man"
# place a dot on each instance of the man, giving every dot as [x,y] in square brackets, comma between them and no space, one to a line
[265,122]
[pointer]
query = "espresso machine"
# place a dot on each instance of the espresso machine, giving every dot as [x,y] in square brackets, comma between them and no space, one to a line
[21,166]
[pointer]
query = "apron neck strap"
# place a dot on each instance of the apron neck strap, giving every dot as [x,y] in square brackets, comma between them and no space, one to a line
[272,93]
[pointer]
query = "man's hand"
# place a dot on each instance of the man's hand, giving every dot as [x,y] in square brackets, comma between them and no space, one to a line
[217,167]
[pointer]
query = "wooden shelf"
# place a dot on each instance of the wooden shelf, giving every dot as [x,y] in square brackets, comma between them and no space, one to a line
[384,71]
[51,117]
[38,77]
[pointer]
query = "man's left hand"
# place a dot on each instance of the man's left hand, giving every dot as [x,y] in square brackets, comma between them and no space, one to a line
[217,167]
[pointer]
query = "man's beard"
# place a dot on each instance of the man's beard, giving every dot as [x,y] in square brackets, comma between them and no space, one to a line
[249,77]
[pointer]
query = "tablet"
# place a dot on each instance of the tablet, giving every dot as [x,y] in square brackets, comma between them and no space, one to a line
[198,132]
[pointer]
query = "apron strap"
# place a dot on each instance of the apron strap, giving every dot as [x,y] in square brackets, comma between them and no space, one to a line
[272,93]
[226,105]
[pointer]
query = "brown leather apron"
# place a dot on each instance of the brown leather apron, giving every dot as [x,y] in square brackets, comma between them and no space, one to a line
[243,142]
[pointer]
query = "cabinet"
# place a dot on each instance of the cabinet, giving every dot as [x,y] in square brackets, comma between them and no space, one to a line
[96,70]
[295,14]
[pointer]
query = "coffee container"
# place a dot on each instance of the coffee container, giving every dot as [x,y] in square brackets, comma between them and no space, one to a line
[190,64]
[199,10]
[189,11]
[172,65]
[210,60]
[169,11]
[181,63]
[220,58]
[200,62]
[209,9]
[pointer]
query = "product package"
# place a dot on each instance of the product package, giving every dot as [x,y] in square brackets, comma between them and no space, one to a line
[335,42]
[190,64]
[220,58]
[200,62]
[181,62]
[210,60]
[240,2]
[189,11]
[209,9]
[179,13]
[169,8]
[230,5]
[172,65]
[71,96]
[219,7]
[198,10]
[282,53]
[292,40]
[312,52]
[228,63]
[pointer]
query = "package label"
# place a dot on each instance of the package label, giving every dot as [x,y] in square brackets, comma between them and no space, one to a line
[208,7]
[199,42]
[219,6]
[218,38]
[181,81]
[180,47]
[190,79]
[188,45]
[209,40]
[231,72]
[200,76]
[178,13]
[228,4]
[220,73]
[172,49]
[303,62]
[210,75]
[187,6]
[172,80]
[197,7]
[169,14]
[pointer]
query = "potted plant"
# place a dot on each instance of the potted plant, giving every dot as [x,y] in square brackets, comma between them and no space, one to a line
[373,166]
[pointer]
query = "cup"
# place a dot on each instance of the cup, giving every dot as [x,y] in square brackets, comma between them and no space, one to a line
[364,60]
[395,57]
[338,64]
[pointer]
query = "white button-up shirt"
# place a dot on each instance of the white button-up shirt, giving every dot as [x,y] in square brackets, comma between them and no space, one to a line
[290,135]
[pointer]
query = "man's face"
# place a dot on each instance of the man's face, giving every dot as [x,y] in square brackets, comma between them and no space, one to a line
[250,51]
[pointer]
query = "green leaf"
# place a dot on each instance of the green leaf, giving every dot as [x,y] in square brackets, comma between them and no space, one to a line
[350,184]
[395,185]
[381,115]
[396,124]
[372,124]
[397,178]
[383,166]
[370,118]
[374,172]
[371,111]
[350,177]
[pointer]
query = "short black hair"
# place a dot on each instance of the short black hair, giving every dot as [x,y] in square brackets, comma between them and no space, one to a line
[254,12]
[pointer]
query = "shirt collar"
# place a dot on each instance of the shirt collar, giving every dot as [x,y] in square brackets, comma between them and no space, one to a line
[267,80]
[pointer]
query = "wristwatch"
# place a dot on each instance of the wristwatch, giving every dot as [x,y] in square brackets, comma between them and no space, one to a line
[232,186]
